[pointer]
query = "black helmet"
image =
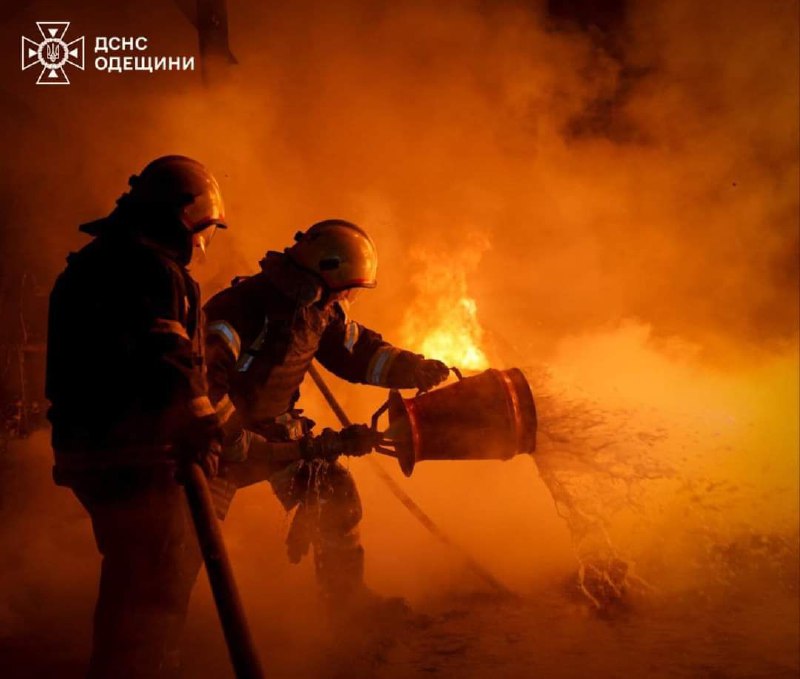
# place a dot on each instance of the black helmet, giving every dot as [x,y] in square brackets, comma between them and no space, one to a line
[170,201]
[182,186]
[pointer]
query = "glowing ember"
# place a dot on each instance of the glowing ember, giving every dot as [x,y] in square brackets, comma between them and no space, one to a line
[442,321]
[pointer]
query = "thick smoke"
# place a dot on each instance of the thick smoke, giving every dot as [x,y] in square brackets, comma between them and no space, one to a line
[425,120]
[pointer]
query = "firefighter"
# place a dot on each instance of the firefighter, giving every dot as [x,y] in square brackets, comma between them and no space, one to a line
[128,393]
[262,334]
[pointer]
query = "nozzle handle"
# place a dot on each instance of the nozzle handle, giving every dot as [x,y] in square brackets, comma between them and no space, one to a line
[377,414]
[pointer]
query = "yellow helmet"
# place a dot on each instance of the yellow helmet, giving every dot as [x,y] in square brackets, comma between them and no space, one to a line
[341,254]
[184,187]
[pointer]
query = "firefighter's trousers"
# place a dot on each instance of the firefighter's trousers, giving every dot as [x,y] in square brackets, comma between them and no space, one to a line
[150,560]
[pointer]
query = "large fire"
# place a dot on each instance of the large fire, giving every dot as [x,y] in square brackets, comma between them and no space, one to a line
[442,322]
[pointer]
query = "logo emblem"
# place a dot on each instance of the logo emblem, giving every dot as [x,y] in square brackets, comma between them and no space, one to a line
[52,53]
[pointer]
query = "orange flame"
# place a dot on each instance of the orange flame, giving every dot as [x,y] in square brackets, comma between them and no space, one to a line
[442,321]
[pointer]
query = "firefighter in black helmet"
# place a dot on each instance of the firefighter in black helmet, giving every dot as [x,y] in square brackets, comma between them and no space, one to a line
[262,334]
[128,393]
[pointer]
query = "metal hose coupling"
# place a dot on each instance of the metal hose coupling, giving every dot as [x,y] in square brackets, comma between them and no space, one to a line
[354,440]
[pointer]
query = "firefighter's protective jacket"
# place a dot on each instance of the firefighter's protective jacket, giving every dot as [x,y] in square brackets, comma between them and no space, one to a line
[125,369]
[262,335]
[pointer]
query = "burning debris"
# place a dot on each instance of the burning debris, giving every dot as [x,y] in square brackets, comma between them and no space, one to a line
[606,463]
[577,437]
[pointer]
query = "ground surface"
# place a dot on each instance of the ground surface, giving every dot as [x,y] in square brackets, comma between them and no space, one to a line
[481,636]
[744,625]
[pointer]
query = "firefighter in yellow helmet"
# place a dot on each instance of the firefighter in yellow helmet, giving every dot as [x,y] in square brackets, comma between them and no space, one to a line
[129,397]
[262,334]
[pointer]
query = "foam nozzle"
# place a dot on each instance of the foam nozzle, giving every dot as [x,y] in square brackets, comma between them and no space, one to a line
[489,416]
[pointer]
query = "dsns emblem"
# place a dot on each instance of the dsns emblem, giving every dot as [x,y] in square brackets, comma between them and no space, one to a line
[53,53]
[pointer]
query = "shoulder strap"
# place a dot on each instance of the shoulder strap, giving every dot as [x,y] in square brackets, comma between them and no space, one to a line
[248,355]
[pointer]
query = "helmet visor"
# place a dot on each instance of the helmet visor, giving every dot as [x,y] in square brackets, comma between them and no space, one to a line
[205,210]
[201,239]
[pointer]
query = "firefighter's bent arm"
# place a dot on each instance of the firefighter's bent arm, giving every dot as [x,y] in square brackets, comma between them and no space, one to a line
[357,354]
[171,310]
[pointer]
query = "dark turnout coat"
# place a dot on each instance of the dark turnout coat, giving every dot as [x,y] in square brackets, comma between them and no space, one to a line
[125,369]
[264,331]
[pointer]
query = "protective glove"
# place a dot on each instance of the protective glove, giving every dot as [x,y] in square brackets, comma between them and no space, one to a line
[202,443]
[208,459]
[428,373]
[355,440]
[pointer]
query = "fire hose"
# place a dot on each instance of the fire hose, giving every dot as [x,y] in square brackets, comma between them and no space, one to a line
[405,499]
[241,648]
